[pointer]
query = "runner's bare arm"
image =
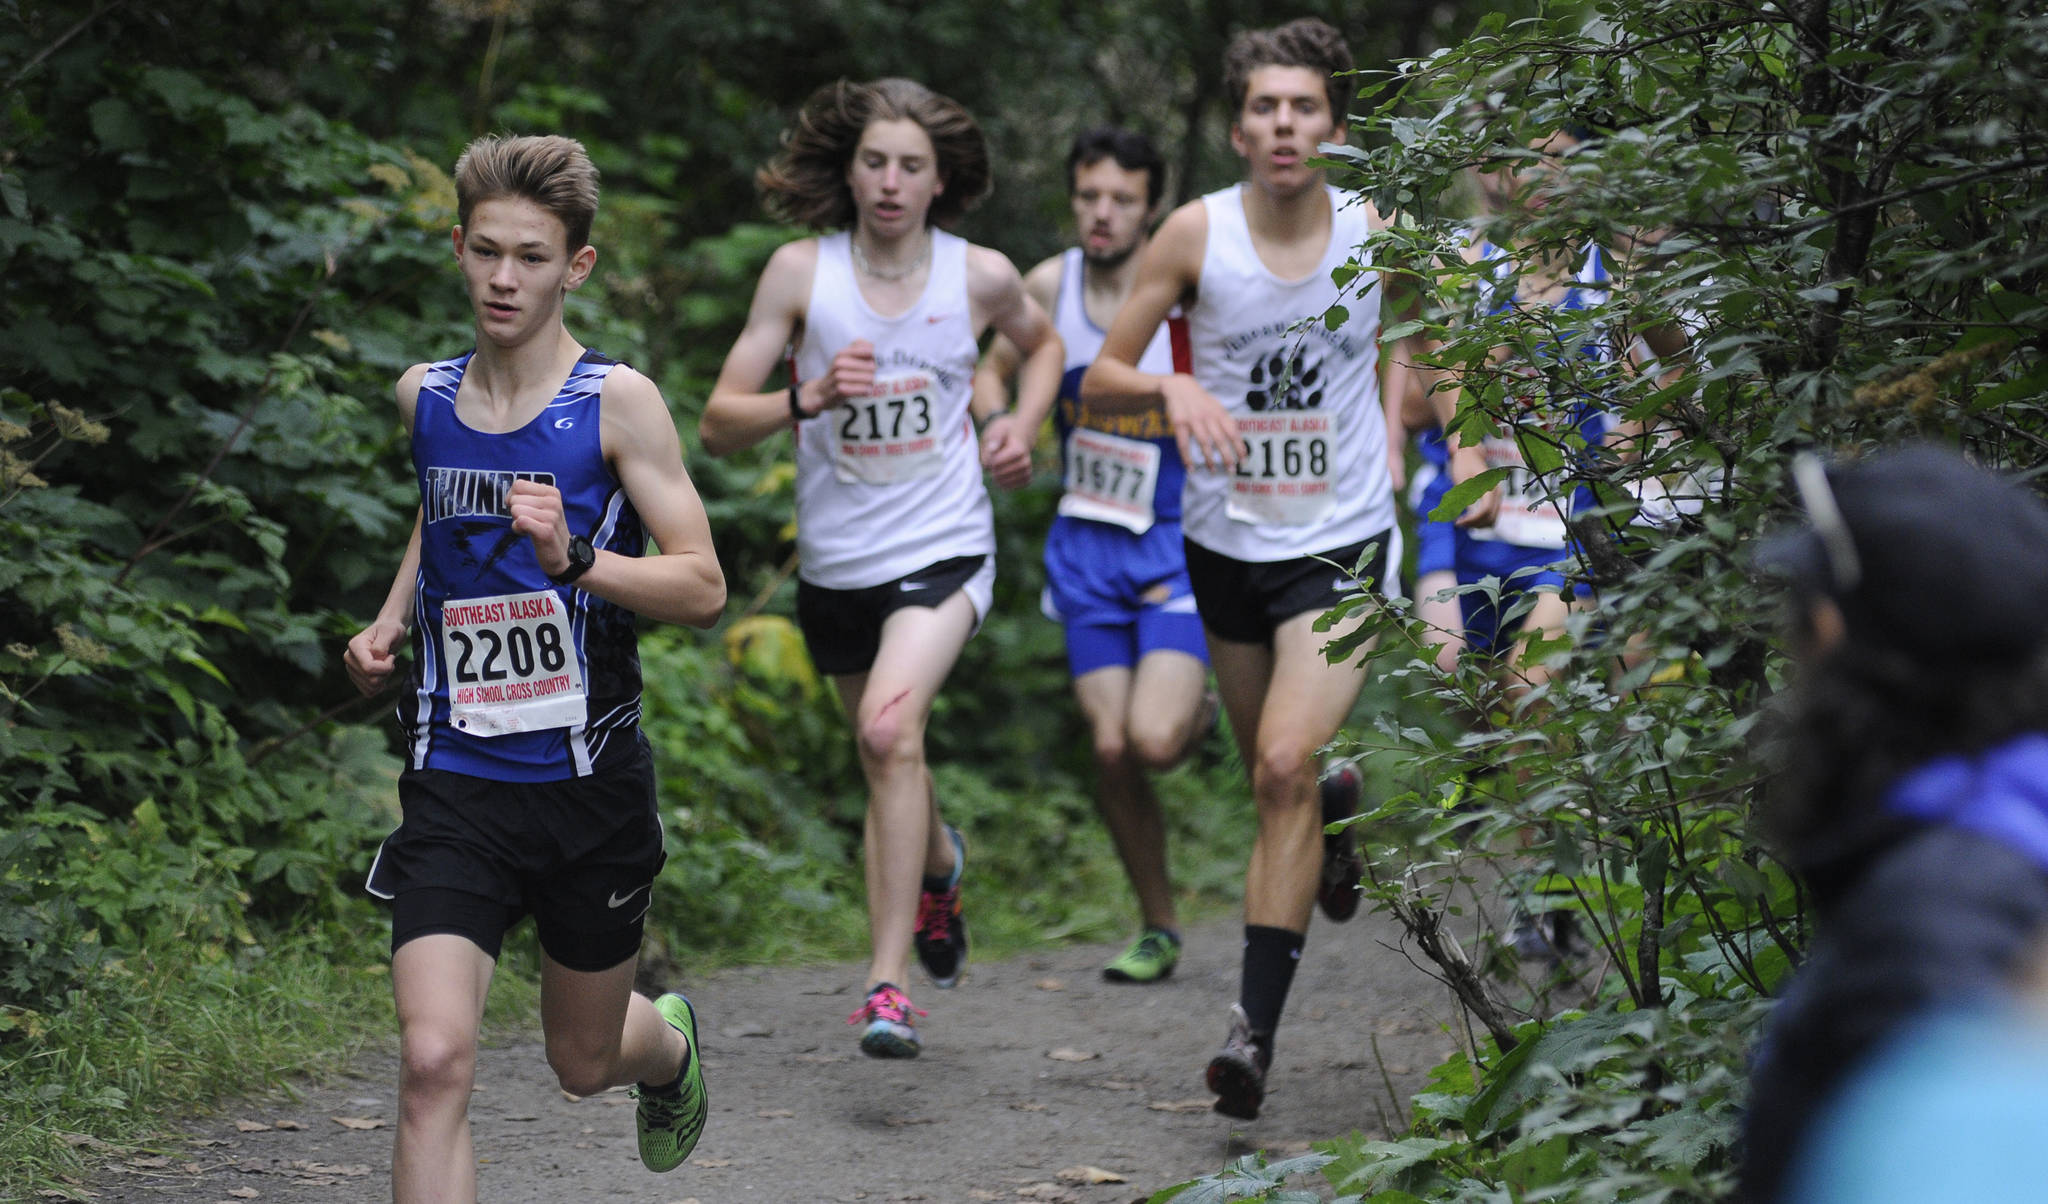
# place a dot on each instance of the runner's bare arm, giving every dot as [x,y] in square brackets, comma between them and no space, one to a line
[738,414]
[372,654]
[680,584]
[1168,275]
[997,293]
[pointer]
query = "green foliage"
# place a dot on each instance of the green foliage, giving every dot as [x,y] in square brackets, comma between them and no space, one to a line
[1836,203]
[1252,1178]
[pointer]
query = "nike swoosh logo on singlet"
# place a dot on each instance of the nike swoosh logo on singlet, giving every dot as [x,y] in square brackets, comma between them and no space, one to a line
[617,901]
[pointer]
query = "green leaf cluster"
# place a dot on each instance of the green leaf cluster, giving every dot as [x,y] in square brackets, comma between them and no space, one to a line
[1841,206]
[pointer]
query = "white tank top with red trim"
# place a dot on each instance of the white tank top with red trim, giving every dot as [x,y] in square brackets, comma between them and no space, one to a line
[889,483]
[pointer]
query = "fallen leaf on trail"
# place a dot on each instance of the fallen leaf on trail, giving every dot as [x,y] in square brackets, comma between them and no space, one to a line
[1091,1174]
[775,1114]
[1028,1107]
[86,1140]
[822,1059]
[290,1126]
[154,1162]
[1181,1105]
[897,1122]
[1399,1068]
[322,1168]
[1291,1147]
[363,1123]
[245,1193]
[1064,1054]
[251,1126]
[749,1029]
[523,1116]
[1050,984]
[207,1143]
[713,1163]
[689,1200]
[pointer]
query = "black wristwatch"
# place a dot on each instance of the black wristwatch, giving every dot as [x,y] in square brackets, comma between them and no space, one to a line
[581,557]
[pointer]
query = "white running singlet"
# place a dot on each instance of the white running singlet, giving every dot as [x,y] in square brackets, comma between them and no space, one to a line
[890,483]
[1306,398]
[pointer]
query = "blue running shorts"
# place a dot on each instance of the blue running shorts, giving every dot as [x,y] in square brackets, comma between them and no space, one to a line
[1120,594]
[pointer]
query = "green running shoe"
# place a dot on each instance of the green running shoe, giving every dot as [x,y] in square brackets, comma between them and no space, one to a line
[1150,958]
[670,1121]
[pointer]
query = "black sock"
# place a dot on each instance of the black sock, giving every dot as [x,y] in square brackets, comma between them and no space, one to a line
[1270,955]
[675,1085]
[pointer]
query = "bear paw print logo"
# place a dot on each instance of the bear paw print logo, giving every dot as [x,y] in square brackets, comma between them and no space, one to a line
[1280,382]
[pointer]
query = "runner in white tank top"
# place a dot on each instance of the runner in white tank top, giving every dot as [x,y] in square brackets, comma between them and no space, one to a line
[1281,471]
[889,483]
[1305,399]
[894,531]
[1116,576]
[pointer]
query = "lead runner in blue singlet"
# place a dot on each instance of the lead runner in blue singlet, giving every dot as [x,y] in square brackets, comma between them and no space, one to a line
[879,317]
[543,469]
[1115,573]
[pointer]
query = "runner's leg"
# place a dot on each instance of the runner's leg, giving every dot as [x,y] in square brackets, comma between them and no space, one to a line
[1123,795]
[1166,706]
[1445,618]
[1305,701]
[1545,621]
[439,983]
[601,1033]
[889,705]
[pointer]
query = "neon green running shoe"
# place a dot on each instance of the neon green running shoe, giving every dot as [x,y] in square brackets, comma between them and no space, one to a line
[670,1121]
[1150,958]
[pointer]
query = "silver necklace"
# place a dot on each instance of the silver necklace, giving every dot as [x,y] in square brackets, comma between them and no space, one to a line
[860,260]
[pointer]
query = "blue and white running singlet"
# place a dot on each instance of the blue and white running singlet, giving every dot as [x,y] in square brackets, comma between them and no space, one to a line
[516,678]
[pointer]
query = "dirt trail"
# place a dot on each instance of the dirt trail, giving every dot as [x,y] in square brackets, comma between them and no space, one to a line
[1032,1067]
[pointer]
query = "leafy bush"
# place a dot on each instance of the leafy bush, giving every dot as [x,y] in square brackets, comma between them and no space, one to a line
[1838,206]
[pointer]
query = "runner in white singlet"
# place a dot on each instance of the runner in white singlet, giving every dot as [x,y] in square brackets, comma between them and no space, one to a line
[1285,439]
[894,533]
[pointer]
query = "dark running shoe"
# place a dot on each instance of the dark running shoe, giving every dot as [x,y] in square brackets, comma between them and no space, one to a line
[1237,1074]
[887,1030]
[941,931]
[1341,787]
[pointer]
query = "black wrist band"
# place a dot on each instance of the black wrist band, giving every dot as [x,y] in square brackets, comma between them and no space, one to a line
[992,415]
[796,406]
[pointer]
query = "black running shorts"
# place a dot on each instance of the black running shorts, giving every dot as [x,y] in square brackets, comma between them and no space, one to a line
[843,627]
[1243,601]
[472,855]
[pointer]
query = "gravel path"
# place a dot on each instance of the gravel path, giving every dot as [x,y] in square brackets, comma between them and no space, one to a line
[1037,1076]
